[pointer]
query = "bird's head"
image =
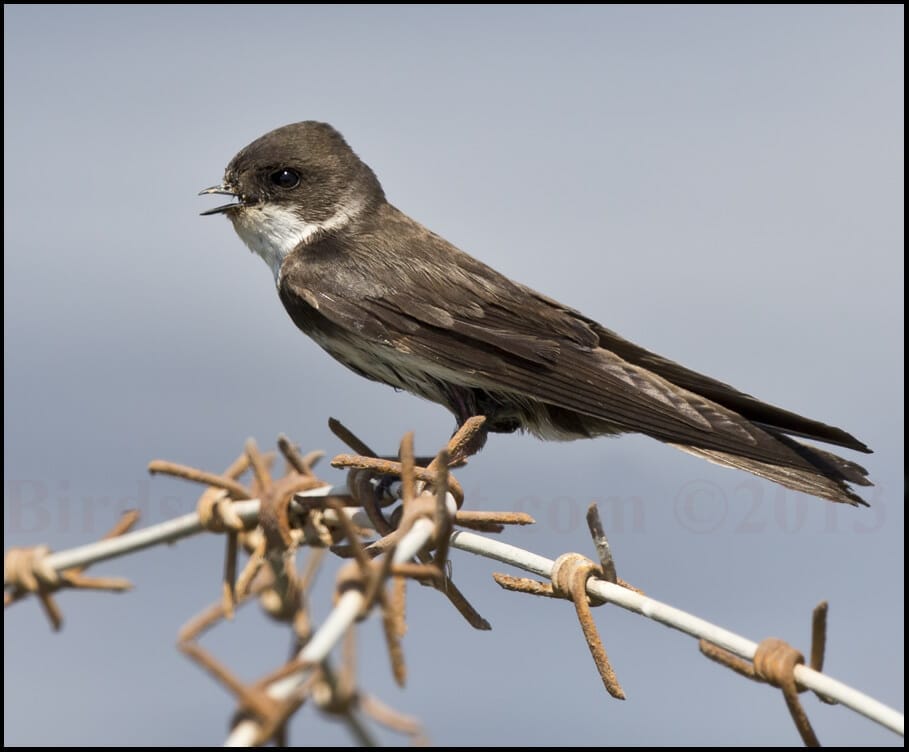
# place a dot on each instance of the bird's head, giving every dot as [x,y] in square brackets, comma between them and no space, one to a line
[293,184]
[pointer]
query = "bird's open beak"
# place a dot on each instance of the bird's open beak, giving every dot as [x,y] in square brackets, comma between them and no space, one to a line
[224,191]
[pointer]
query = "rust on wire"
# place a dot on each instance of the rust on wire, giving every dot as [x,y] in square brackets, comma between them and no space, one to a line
[417,501]
[348,437]
[234,488]
[381,466]
[467,440]
[253,700]
[275,537]
[369,577]
[26,572]
[569,580]
[337,694]
[215,511]
[301,463]
[427,506]
[271,575]
[598,533]
[570,574]
[261,474]
[366,467]
[774,663]
[424,486]
[444,523]
[271,715]
[491,522]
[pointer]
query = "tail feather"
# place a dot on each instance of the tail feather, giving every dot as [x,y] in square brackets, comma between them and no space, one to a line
[825,485]
[828,463]
[826,475]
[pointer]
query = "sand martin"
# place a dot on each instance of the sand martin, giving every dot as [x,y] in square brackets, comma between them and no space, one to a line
[398,304]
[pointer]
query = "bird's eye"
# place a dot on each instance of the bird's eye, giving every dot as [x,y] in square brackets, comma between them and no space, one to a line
[286,178]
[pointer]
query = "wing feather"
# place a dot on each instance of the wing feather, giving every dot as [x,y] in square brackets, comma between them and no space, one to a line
[439,310]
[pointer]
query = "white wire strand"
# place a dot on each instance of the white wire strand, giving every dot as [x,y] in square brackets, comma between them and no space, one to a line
[164,532]
[332,630]
[684,622]
[188,524]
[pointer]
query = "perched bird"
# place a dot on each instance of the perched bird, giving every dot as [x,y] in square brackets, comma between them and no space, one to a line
[396,303]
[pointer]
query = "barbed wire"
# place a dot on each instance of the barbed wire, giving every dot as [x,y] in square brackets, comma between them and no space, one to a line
[273,518]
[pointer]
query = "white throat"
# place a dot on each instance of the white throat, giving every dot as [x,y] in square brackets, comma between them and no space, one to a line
[273,232]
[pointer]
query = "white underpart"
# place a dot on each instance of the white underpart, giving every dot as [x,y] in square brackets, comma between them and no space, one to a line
[273,232]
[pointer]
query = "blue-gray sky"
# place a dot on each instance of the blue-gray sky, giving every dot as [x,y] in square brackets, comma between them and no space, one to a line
[722,185]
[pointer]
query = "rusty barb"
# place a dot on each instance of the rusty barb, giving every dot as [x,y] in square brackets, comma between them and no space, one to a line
[570,574]
[423,492]
[335,695]
[393,522]
[26,571]
[277,534]
[425,488]
[394,494]
[774,664]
